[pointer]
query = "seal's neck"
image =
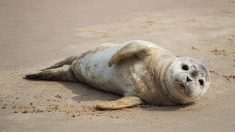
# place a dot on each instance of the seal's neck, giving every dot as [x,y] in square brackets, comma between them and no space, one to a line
[159,69]
[166,79]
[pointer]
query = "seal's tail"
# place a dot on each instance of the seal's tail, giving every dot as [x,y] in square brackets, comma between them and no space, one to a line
[63,73]
[60,71]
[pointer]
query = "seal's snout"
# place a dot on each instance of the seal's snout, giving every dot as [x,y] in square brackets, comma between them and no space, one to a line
[194,73]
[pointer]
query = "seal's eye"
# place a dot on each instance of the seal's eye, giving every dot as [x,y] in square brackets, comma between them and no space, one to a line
[185,67]
[201,82]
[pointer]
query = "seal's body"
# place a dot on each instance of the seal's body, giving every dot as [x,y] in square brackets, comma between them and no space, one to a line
[138,70]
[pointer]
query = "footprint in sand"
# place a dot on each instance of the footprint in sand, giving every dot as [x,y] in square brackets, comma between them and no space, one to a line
[219,52]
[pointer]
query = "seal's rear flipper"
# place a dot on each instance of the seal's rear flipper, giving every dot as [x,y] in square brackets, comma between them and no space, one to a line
[125,102]
[67,61]
[63,73]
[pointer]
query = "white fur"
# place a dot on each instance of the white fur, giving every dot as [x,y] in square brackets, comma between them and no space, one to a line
[118,79]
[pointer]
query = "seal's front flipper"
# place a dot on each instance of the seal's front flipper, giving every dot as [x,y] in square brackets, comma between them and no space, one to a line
[130,50]
[125,102]
[63,73]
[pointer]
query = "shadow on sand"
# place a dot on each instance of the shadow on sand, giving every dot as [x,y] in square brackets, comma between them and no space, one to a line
[86,93]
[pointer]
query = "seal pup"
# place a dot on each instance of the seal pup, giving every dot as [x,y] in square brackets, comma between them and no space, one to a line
[141,71]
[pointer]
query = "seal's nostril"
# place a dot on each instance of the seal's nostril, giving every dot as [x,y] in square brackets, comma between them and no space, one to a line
[188,79]
[201,82]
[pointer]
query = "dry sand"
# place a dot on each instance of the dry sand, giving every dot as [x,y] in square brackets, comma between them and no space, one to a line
[35,34]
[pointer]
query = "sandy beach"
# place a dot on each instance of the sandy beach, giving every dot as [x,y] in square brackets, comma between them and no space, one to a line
[36,34]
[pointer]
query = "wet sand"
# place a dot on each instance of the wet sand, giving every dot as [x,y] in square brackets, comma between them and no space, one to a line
[35,34]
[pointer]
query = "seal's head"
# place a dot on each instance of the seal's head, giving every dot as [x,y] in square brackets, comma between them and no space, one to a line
[190,80]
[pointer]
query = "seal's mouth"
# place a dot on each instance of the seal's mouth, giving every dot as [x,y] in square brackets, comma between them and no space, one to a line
[180,86]
[186,86]
[185,90]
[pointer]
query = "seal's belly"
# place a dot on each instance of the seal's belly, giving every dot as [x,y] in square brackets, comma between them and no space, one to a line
[94,68]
